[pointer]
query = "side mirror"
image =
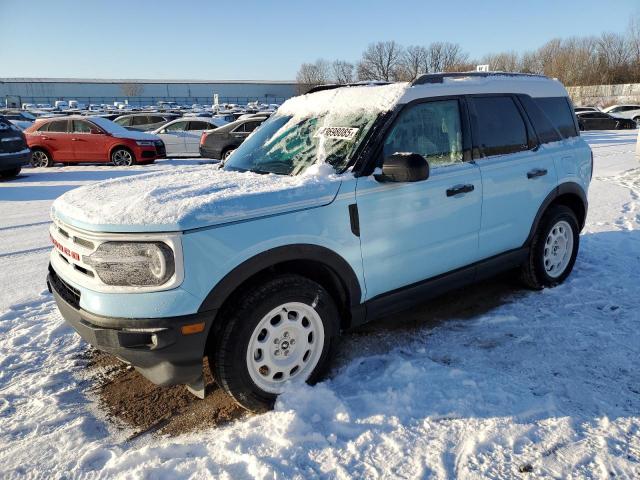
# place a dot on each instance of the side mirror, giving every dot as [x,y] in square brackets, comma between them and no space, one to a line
[403,167]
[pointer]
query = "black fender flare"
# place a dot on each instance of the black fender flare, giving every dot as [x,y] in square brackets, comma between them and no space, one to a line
[562,189]
[269,258]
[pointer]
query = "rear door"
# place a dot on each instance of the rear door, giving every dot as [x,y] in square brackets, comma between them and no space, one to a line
[57,140]
[192,135]
[516,175]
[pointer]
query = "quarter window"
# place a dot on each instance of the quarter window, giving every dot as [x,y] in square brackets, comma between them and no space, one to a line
[559,112]
[431,129]
[501,128]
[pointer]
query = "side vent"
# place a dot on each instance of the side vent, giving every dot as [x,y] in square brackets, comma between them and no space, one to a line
[355,219]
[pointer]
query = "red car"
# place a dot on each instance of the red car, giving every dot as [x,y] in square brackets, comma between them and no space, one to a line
[76,139]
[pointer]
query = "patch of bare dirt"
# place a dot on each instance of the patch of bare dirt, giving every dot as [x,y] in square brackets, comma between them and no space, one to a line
[130,400]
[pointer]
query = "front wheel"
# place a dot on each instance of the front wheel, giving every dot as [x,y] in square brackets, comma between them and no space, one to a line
[553,250]
[281,330]
[121,157]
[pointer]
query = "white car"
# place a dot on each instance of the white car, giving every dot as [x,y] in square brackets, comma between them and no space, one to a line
[624,111]
[182,136]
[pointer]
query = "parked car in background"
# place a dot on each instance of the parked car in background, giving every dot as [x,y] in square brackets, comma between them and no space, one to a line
[625,111]
[182,136]
[14,152]
[603,121]
[19,118]
[585,109]
[221,142]
[145,121]
[76,139]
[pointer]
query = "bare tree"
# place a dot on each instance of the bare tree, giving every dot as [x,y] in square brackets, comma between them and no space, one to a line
[342,71]
[380,61]
[311,75]
[502,62]
[414,63]
[132,89]
[445,57]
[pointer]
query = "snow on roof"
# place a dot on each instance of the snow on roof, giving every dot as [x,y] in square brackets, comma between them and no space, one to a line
[345,100]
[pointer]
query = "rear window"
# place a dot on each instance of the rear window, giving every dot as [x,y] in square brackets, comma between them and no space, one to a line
[559,112]
[57,126]
[501,128]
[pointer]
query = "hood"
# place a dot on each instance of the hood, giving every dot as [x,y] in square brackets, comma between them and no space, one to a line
[136,135]
[192,197]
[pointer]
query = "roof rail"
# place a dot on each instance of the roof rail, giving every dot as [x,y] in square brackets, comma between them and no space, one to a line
[439,77]
[331,86]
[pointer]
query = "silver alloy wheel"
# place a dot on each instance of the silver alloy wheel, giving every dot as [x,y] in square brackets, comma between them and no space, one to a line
[227,154]
[122,158]
[558,248]
[39,158]
[287,343]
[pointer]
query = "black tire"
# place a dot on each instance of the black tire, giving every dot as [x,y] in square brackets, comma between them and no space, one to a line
[533,272]
[122,157]
[226,153]
[14,172]
[41,158]
[228,357]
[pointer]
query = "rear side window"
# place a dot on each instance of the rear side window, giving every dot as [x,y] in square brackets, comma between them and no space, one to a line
[545,130]
[124,122]
[80,126]
[58,126]
[559,112]
[198,126]
[500,127]
[140,120]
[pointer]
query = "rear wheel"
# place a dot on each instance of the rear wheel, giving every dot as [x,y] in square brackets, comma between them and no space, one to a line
[121,157]
[227,153]
[14,172]
[40,158]
[553,250]
[282,330]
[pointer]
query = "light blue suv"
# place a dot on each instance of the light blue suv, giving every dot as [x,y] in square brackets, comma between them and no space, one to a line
[349,203]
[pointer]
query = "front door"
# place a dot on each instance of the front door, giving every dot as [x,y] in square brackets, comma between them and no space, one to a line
[173,136]
[88,146]
[410,232]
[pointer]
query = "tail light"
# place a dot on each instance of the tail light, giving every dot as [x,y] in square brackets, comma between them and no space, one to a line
[203,138]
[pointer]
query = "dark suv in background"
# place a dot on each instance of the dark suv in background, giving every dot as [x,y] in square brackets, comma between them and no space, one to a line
[14,152]
[221,142]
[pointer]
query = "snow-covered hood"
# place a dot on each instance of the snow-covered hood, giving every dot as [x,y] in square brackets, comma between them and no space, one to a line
[192,197]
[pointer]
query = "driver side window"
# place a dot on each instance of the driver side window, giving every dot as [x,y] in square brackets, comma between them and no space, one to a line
[431,129]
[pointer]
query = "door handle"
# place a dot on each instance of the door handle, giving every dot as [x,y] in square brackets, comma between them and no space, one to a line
[458,189]
[75,139]
[44,137]
[536,172]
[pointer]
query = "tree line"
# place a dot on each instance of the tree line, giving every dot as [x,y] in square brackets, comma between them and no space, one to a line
[611,58]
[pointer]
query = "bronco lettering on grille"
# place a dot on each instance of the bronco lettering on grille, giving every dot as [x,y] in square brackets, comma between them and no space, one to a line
[64,249]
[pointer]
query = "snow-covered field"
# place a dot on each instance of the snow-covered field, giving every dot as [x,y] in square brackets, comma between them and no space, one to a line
[544,385]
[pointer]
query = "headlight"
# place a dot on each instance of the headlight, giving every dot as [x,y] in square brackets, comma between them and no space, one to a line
[145,143]
[139,264]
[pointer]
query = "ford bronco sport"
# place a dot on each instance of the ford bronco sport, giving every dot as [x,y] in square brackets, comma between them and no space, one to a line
[349,203]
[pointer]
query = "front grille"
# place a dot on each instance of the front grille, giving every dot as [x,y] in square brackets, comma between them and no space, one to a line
[70,294]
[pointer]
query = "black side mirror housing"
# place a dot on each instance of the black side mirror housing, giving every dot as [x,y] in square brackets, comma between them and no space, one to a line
[403,167]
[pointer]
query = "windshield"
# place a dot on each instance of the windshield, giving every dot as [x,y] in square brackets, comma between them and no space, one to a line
[287,145]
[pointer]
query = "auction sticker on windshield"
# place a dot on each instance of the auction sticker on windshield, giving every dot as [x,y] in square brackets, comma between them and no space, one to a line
[344,133]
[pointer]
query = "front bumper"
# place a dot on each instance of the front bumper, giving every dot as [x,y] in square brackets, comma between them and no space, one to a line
[13,160]
[156,347]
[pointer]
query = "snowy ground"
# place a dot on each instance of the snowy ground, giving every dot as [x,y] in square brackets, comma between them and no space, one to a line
[544,382]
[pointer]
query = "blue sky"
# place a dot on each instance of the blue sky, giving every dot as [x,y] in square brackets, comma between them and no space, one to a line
[247,39]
